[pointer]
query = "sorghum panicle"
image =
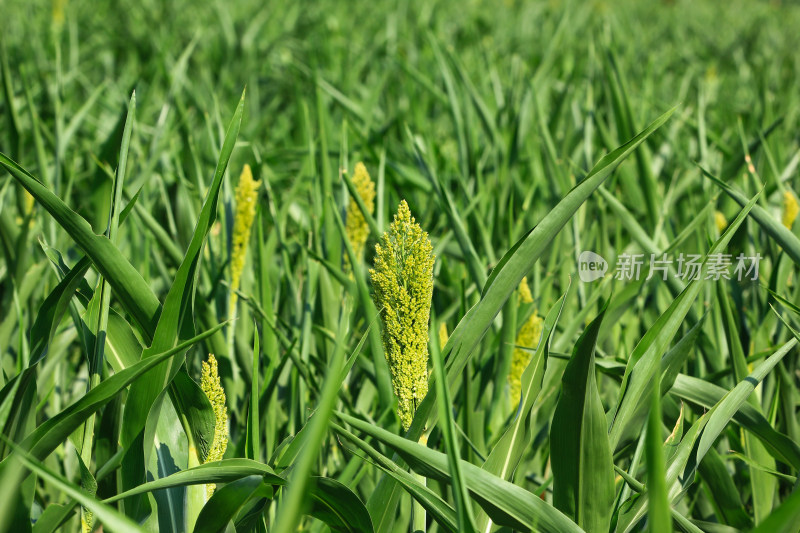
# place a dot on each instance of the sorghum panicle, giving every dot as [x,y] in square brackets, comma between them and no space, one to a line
[720,221]
[58,13]
[790,209]
[356,225]
[246,197]
[527,337]
[403,283]
[443,335]
[213,390]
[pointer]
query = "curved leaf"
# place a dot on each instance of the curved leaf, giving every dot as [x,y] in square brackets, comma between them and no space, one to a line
[128,285]
[706,395]
[51,433]
[645,360]
[176,321]
[580,454]
[223,471]
[226,502]
[338,507]
[110,517]
[440,510]
[773,227]
[507,504]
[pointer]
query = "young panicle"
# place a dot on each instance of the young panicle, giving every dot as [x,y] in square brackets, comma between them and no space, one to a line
[213,390]
[246,197]
[356,225]
[403,286]
[720,221]
[443,335]
[790,209]
[528,337]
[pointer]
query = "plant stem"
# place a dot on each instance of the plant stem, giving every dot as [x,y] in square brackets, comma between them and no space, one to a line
[418,515]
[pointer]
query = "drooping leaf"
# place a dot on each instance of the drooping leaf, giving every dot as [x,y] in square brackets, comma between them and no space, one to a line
[507,504]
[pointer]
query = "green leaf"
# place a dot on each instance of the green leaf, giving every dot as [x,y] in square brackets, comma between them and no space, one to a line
[253,443]
[682,466]
[50,434]
[338,507]
[195,411]
[223,471]
[226,502]
[763,485]
[784,519]
[53,517]
[88,485]
[95,318]
[52,310]
[580,455]
[724,411]
[473,327]
[645,360]
[466,521]
[123,348]
[128,285]
[507,504]
[476,268]
[516,440]
[707,394]
[735,163]
[762,468]
[381,365]
[722,491]
[440,510]
[170,455]
[110,517]
[176,321]
[289,454]
[12,395]
[673,360]
[291,507]
[658,516]
[772,226]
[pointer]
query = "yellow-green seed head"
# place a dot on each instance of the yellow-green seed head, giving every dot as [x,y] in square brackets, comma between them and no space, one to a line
[30,203]
[356,225]
[58,13]
[443,335]
[790,209]
[528,337]
[89,486]
[87,520]
[213,390]
[246,197]
[720,221]
[403,286]
[524,291]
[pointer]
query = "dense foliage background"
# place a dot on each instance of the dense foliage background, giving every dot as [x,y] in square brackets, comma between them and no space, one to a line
[490,119]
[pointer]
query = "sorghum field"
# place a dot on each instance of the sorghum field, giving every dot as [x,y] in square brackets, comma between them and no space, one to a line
[395,266]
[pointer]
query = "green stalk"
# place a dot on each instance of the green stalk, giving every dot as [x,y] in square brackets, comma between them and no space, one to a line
[195,494]
[418,515]
[98,355]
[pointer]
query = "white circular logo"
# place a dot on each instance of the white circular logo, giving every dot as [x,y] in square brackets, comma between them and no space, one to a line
[591,266]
